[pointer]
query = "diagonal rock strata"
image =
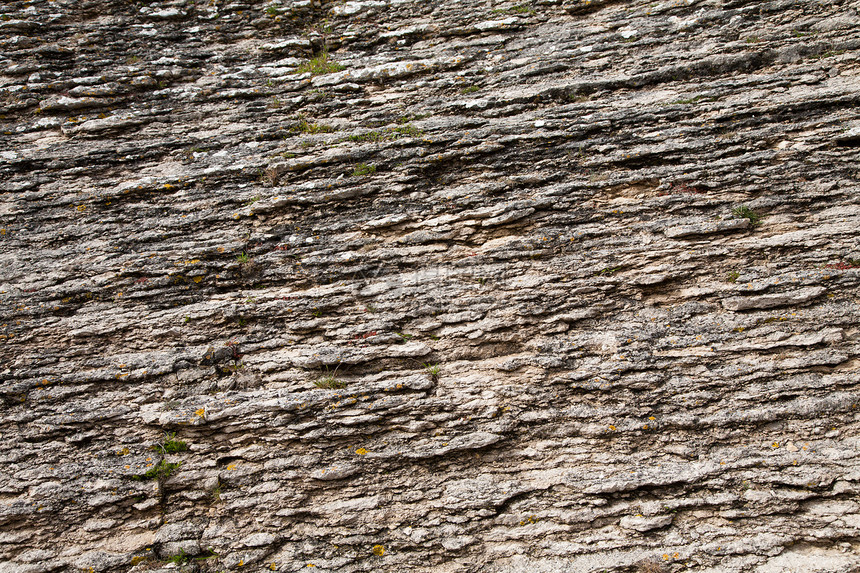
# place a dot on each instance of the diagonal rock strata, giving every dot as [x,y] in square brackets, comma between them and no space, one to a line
[446,286]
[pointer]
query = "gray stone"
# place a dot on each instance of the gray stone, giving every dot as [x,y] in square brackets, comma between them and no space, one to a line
[401,285]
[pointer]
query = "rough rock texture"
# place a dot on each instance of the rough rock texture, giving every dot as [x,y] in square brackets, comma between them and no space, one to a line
[569,285]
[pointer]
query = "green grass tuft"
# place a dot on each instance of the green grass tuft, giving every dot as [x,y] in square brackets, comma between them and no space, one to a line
[161,471]
[363,169]
[319,65]
[747,213]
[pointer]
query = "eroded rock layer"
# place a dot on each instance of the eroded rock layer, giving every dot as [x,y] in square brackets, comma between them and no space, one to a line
[397,285]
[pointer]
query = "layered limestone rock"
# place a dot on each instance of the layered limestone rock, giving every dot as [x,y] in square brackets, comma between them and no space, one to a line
[396,285]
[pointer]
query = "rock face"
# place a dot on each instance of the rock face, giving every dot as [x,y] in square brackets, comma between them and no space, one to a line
[397,285]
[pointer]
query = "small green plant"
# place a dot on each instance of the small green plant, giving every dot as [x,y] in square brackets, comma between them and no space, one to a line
[170,445]
[470,90]
[521,9]
[363,169]
[365,137]
[390,134]
[433,370]
[179,558]
[161,471]
[745,212]
[404,336]
[317,312]
[686,101]
[186,319]
[252,200]
[272,11]
[733,276]
[216,494]
[304,126]
[407,130]
[407,118]
[319,65]
[828,54]
[607,271]
[243,258]
[328,380]
[210,555]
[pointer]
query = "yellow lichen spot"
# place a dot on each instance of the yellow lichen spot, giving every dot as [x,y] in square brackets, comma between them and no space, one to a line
[611,427]
[231,467]
[201,412]
[81,208]
[665,557]
[361,451]
[651,418]
[775,445]
[272,566]
[197,279]
[123,452]
[645,427]
[378,550]
[311,565]
[241,562]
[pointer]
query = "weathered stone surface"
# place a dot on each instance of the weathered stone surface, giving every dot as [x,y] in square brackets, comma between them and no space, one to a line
[794,297]
[396,285]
